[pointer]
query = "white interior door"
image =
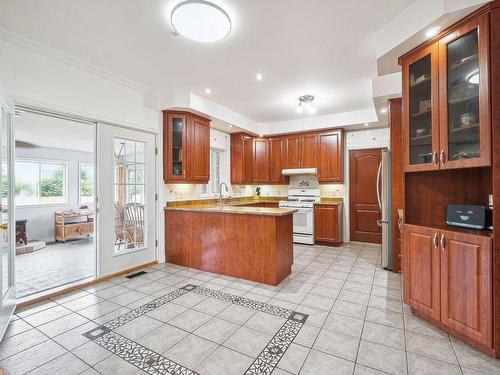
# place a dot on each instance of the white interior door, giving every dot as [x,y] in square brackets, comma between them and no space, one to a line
[7,223]
[126,198]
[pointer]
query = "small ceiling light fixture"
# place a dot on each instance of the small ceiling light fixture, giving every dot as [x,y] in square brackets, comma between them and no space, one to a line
[383,110]
[259,76]
[208,90]
[306,101]
[230,126]
[432,31]
[366,124]
[200,20]
[473,78]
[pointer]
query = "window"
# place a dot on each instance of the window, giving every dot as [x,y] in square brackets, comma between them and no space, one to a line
[40,182]
[216,173]
[130,187]
[86,183]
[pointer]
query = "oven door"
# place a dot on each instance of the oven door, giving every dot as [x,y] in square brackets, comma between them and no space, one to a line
[303,221]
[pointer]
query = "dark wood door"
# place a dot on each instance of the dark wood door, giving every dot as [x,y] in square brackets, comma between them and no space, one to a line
[291,151]
[199,136]
[464,101]
[275,161]
[466,285]
[260,160]
[422,269]
[309,151]
[364,209]
[330,157]
[247,159]
[326,224]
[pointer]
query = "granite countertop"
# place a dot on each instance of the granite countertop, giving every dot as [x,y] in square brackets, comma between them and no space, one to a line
[233,209]
[330,201]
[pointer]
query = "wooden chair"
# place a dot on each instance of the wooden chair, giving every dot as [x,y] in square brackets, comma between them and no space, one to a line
[134,223]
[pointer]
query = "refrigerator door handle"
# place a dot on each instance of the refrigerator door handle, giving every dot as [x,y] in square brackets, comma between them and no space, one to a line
[378,185]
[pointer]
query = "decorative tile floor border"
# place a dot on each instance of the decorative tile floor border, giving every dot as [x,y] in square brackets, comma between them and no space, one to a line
[154,363]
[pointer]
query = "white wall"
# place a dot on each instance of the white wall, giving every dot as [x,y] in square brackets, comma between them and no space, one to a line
[40,225]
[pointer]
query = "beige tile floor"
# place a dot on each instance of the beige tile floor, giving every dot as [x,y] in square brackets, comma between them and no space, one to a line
[357,324]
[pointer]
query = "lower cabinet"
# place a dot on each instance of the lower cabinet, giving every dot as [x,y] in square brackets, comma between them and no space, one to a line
[448,277]
[328,224]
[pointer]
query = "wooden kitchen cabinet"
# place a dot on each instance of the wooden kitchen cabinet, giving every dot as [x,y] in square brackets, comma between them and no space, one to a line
[448,277]
[447,101]
[242,149]
[328,224]
[466,285]
[330,155]
[260,160]
[422,269]
[275,161]
[186,148]
[300,151]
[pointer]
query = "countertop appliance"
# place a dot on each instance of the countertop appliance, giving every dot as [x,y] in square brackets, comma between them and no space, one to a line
[303,199]
[384,202]
[468,216]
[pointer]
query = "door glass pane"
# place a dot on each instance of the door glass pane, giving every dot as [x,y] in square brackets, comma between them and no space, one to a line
[463,97]
[129,195]
[420,111]
[177,151]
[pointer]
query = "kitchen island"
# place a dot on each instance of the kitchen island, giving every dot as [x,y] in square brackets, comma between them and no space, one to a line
[238,240]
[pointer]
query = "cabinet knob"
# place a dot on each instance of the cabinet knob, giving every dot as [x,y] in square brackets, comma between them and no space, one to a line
[441,157]
[435,158]
[443,242]
[436,241]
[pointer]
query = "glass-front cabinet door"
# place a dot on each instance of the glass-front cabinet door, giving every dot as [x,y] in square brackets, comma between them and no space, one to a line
[464,101]
[175,129]
[421,114]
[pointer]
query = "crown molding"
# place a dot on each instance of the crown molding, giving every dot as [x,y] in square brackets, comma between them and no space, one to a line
[54,54]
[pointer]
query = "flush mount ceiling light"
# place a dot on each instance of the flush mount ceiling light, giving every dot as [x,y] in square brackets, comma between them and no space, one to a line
[306,101]
[201,21]
[259,76]
[383,110]
[208,90]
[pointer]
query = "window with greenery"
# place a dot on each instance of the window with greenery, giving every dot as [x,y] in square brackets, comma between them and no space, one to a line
[40,182]
[87,172]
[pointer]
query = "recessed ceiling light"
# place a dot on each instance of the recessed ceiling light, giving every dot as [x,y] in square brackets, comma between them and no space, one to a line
[200,20]
[432,31]
[366,124]
[261,135]
[208,90]
[383,110]
[259,77]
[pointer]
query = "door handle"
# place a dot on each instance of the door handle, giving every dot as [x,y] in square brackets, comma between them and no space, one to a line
[443,242]
[436,241]
[380,222]
[435,158]
[441,157]
[378,185]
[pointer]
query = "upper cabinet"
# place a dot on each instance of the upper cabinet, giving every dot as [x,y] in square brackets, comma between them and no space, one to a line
[260,160]
[330,155]
[186,148]
[300,151]
[446,101]
[242,150]
[465,137]
[275,161]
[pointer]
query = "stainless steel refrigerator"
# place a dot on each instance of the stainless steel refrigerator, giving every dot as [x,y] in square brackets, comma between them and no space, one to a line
[384,202]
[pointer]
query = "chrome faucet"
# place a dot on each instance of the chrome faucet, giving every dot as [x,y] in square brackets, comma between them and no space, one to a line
[221,195]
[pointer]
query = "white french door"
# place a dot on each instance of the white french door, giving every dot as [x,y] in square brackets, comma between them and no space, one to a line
[7,223]
[126,198]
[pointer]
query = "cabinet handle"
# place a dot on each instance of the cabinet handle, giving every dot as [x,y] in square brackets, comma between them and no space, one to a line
[435,158]
[443,242]
[436,241]
[441,157]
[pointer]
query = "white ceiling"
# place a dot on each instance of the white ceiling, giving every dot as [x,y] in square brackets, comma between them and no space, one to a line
[320,47]
[36,130]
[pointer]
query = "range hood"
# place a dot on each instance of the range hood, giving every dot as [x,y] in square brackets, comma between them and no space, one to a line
[299,171]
